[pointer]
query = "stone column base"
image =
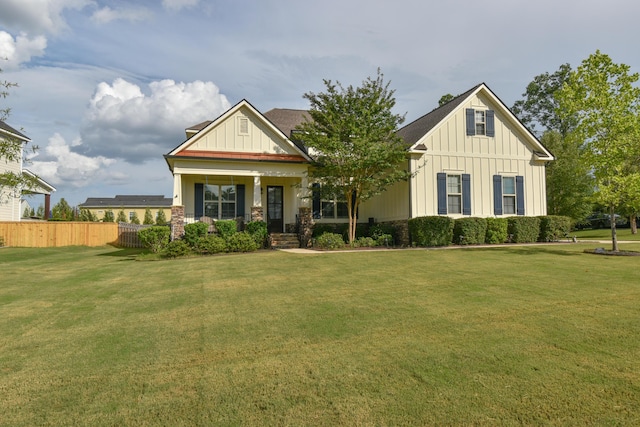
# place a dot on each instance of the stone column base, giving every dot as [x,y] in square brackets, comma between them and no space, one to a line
[177,222]
[305,226]
[257,213]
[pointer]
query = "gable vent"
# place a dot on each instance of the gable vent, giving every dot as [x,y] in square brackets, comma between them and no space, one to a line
[243,125]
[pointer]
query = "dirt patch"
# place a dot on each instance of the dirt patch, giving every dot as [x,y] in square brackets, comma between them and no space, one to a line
[603,251]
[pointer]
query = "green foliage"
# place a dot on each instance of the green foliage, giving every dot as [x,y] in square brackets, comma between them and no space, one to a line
[122,217]
[444,99]
[353,130]
[26,213]
[431,231]
[554,228]
[320,229]
[108,216]
[161,218]
[329,241]
[496,231]
[87,215]
[226,227]
[62,211]
[134,218]
[211,244]
[365,242]
[148,217]
[523,229]
[155,238]
[469,231]
[40,212]
[175,249]
[258,229]
[241,242]
[1,241]
[194,231]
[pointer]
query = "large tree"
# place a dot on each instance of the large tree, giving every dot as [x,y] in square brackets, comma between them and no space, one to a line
[569,183]
[352,138]
[604,98]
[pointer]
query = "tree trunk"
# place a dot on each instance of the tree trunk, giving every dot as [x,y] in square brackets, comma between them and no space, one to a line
[633,224]
[614,236]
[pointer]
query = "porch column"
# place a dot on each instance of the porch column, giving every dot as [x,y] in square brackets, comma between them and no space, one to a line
[257,213]
[303,198]
[177,189]
[47,206]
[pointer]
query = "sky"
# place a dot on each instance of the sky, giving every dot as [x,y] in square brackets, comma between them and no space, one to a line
[107,87]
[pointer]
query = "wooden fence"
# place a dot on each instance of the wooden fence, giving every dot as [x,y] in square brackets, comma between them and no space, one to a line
[128,235]
[41,234]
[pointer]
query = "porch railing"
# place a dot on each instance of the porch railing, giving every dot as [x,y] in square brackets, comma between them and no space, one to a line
[190,218]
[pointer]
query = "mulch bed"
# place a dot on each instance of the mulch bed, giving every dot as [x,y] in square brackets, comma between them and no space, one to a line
[603,251]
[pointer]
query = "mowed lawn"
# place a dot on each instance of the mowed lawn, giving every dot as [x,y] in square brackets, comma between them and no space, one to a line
[533,335]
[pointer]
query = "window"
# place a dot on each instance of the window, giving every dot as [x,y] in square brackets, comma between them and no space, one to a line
[220,201]
[508,195]
[480,122]
[131,215]
[328,208]
[454,193]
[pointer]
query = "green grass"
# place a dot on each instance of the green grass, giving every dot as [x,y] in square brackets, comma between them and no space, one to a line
[605,234]
[499,336]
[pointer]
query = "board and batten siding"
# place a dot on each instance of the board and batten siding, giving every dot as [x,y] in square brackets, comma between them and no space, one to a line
[9,204]
[230,136]
[450,150]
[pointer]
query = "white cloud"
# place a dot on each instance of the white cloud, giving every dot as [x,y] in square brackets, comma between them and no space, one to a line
[37,16]
[176,5]
[123,122]
[106,15]
[62,166]
[19,50]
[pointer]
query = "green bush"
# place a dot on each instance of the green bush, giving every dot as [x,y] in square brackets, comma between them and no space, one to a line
[365,242]
[194,231]
[469,231]
[226,227]
[161,218]
[329,241]
[154,238]
[554,228]
[431,230]
[211,244]
[384,240]
[108,216]
[496,231]
[320,229]
[241,242]
[135,219]
[175,249]
[258,229]
[523,229]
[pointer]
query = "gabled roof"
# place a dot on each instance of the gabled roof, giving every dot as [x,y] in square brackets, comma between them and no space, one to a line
[43,186]
[141,201]
[5,128]
[415,132]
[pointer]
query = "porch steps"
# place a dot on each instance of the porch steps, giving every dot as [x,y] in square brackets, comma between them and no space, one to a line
[284,240]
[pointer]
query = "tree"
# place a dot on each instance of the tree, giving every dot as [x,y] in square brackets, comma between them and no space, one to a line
[122,217]
[148,217]
[62,211]
[353,135]
[40,212]
[108,216]
[134,218]
[87,215]
[161,218]
[445,98]
[603,98]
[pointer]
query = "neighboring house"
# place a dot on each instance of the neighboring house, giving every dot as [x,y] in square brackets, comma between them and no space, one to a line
[469,157]
[130,204]
[11,206]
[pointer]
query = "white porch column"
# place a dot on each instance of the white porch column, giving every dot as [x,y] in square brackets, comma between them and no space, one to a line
[257,193]
[305,200]
[177,189]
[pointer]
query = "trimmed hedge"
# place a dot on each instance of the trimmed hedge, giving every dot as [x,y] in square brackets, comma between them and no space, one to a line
[554,228]
[329,241]
[496,231]
[469,231]
[258,229]
[241,242]
[226,227]
[155,237]
[431,230]
[523,229]
[211,244]
[194,231]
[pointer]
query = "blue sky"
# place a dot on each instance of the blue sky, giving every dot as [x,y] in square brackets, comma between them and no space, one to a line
[107,87]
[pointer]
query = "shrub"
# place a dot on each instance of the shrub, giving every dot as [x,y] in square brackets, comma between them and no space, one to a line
[148,217]
[384,240]
[155,238]
[329,241]
[320,229]
[226,227]
[193,232]
[122,217]
[469,231]
[431,230]
[365,242]
[175,249]
[523,229]
[135,219]
[496,230]
[258,229]
[241,242]
[211,244]
[108,216]
[553,228]
[161,218]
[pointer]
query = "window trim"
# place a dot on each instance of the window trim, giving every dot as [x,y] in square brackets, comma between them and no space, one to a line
[220,202]
[443,193]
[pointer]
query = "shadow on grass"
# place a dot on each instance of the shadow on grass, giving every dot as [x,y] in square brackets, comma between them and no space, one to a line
[128,254]
[532,250]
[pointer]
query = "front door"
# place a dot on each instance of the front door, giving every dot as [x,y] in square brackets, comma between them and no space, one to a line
[275,220]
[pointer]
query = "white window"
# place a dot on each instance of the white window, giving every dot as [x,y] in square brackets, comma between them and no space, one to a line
[481,122]
[220,201]
[334,208]
[508,195]
[131,215]
[454,194]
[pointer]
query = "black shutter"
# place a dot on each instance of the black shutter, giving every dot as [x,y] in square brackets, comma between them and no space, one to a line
[198,209]
[520,195]
[466,194]
[491,128]
[497,195]
[240,200]
[316,200]
[442,193]
[471,122]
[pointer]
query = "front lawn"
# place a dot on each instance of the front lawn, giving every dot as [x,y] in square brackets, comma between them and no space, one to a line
[605,234]
[527,335]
